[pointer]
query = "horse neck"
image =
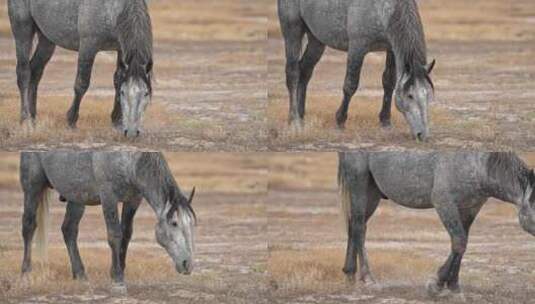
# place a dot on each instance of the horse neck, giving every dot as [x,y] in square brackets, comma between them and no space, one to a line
[507,186]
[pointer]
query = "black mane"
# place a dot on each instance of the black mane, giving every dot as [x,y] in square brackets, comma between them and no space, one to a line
[134,30]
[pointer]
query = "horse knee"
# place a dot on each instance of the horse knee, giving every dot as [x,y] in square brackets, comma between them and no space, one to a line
[292,71]
[23,73]
[81,87]
[459,246]
[68,230]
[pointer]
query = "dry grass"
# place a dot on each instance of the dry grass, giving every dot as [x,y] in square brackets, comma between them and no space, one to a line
[94,124]
[362,125]
[56,275]
[318,270]
[302,171]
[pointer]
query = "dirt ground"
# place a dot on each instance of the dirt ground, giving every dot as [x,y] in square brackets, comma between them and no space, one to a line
[484,84]
[209,91]
[231,246]
[405,246]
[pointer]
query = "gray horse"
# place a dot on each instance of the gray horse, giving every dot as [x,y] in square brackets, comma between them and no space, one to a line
[455,184]
[359,27]
[86,26]
[106,178]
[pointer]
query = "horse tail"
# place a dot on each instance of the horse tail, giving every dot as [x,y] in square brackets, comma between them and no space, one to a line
[344,188]
[43,222]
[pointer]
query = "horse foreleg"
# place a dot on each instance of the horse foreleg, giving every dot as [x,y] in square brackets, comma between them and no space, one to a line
[355,58]
[115,236]
[455,224]
[73,215]
[311,57]
[127,221]
[86,58]
[117,114]
[43,53]
[389,82]
[467,217]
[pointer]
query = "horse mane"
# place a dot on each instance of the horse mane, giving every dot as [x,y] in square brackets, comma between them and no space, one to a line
[134,31]
[407,34]
[152,165]
[507,166]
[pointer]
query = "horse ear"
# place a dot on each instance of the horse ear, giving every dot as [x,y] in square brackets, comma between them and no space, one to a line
[190,199]
[148,67]
[430,66]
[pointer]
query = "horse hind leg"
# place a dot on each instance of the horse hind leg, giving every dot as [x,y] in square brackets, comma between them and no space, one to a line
[43,52]
[23,29]
[29,225]
[389,82]
[311,57]
[69,228]
[374,196]
[293,31]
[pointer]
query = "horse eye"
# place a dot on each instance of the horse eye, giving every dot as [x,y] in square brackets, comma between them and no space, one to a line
[174,223]
[147,94]
[410,96]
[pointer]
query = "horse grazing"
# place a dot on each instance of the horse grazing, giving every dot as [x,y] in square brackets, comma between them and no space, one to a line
[455,184]
[359,27]
[106,178]
[88,27]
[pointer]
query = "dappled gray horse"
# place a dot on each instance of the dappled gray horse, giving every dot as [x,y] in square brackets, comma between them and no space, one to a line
[360,27]
[455,184]
[107,178]
[88,27]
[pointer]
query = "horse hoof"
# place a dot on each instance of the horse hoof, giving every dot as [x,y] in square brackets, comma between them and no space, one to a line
[350,280]
[118,289]
[433,290]
[297,125]
[386,125]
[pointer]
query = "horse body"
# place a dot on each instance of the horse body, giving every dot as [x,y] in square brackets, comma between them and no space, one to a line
[67,22]
[86,26]
[359,27]
[456,185]
[107,178]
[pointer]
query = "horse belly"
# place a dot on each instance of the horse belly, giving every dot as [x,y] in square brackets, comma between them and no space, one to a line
[58,21]
[327,21]
[405,178]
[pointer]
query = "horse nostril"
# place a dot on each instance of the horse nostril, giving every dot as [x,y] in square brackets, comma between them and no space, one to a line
[185,264]
[137,133]
[419,135]
[125,133]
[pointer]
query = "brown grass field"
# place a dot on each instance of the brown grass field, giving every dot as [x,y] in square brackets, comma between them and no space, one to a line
[405,246]
[209,92]
[269,232]
[231,250]
[484,85]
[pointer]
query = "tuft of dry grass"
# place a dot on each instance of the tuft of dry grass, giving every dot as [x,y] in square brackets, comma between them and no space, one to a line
[319,270]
